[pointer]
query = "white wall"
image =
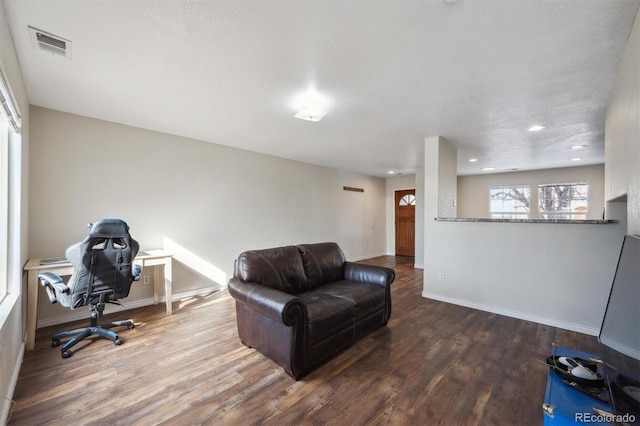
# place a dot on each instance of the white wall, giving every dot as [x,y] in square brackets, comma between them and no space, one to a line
[447,178]
[622,132]
[473,191]
[215,201]
[553,274]
[420,206]
[556,274]
[12,308]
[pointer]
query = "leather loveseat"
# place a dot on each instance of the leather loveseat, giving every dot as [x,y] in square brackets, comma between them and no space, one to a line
[301,305]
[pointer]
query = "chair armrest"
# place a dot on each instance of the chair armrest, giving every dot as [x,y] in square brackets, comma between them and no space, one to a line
[369,273]
[52,283]
[270,302]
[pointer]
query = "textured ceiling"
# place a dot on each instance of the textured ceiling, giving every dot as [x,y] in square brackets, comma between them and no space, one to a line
[476,72]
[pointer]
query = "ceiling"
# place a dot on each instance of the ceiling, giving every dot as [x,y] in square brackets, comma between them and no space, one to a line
[477,72]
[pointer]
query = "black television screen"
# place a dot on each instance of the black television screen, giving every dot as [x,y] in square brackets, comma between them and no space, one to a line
[620,331]
[621,324]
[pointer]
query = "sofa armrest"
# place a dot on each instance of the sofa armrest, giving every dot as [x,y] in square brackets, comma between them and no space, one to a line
[369,273]
[270,302]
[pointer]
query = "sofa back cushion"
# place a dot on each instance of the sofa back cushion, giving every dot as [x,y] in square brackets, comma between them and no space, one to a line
[280,268]
[323,263]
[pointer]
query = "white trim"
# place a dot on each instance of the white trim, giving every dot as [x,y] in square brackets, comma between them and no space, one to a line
[632,352]
[515,314]
[368,256]
[6,204]
[6,305]
[6,402]
[8,105]
[83,314]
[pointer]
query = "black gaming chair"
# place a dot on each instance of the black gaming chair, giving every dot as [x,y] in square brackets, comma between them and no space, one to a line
[103,271]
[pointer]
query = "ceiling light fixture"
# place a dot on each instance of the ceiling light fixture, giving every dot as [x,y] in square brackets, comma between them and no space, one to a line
[536,128]
[391,172]
[311,105]
[576,159]
[577,147]
[473,160]
[488,169]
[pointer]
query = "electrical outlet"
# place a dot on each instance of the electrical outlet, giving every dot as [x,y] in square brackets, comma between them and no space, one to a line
[441,276]
[146,279]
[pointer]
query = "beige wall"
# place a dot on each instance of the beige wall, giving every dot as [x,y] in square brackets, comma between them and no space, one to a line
[622,133]
[212,200]
[473,191]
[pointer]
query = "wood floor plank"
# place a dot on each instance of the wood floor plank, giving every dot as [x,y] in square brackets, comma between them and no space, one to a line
[434,363]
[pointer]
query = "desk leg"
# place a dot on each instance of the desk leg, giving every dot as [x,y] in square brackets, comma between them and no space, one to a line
[32,308]
[168,285]
[156,284]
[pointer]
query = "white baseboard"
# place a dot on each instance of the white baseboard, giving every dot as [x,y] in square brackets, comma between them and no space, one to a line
[515,314]
[80,314]
[615,345]
[368,256]
[6,403]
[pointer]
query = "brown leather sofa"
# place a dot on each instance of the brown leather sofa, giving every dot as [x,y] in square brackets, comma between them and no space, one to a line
[301,305]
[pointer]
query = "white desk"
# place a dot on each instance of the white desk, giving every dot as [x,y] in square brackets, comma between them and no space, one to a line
[34,267]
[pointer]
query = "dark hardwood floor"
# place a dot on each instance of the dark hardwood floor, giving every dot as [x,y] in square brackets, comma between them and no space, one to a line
[434,363]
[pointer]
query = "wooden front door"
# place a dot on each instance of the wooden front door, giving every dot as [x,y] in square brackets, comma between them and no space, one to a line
[405,211]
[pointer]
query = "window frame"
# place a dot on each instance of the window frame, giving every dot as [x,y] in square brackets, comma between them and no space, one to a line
[510,214]
[407,200]
[4,207]
[564,214]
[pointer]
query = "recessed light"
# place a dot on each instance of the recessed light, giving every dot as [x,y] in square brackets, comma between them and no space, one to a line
[535,128]
[488,169]
[577,147]
[576,159]
[391,172]
[473,160]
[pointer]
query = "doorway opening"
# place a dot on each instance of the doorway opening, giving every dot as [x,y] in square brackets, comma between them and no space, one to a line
[405,222]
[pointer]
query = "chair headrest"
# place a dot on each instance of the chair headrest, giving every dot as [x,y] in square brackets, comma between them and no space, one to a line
[109,228]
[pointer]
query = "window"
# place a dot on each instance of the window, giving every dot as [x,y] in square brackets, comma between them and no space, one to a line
[510,202]
[9,122]
[4,204]
[563,201]
[408,200]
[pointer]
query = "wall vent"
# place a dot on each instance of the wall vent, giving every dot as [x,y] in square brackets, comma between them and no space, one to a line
[50,43]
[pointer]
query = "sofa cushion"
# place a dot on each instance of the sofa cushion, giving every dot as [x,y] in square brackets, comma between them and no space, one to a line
[365,297]
[280,268]
[323,263]
[326,313]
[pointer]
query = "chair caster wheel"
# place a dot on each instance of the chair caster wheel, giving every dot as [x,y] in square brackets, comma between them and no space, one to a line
[55,343]
[66,354]
[132,326]
[118,342]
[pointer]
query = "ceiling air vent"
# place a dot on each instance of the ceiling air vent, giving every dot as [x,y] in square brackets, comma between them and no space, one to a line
[50,43]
